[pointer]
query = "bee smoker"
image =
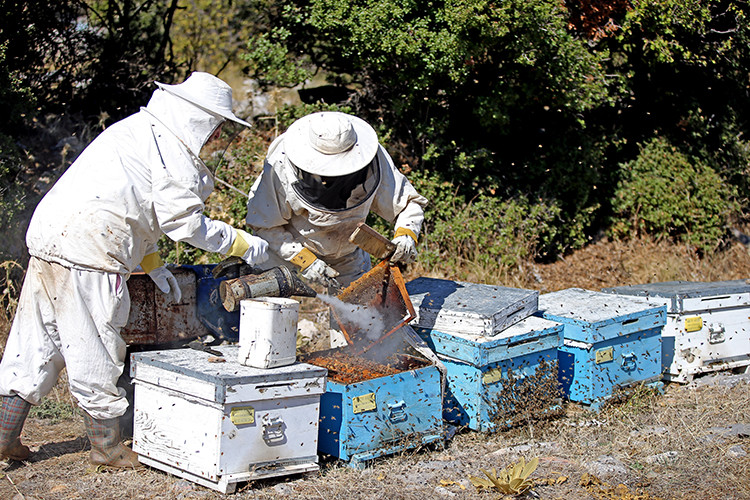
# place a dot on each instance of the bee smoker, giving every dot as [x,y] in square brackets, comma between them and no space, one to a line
[276,282]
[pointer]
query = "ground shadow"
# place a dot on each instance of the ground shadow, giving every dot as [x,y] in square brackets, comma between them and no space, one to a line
[52,450]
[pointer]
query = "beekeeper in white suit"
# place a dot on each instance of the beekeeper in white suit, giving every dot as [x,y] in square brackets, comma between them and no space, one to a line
[139,179]
[321,178]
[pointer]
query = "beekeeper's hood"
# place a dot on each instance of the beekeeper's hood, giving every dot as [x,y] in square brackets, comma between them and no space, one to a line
[194,108]
[333,155]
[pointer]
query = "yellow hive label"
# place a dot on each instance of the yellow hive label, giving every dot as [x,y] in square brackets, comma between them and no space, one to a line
[492,376]
[605,355]
[242,415]
[693,323]
[363,403]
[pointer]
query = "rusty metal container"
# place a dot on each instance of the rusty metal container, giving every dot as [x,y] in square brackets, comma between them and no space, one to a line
[153,320]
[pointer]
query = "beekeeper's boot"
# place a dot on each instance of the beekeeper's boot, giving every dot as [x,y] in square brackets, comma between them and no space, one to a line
[12,416]
[106,448]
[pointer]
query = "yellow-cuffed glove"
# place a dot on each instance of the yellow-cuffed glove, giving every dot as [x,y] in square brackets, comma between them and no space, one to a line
[249,248]
[406,246]
[313,268]
[162,277]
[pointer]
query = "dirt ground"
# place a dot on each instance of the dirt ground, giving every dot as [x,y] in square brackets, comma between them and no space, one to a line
[688,442]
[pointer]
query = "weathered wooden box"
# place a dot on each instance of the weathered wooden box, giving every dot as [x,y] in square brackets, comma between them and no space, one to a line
[708,324]
[153,320]
[220,423]
[609,341]
[468,308]
[501,380]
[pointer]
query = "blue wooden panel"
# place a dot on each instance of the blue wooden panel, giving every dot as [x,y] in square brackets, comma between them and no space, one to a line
[380,416]
[596,316]
[590,374]
[483,398]
[529,335]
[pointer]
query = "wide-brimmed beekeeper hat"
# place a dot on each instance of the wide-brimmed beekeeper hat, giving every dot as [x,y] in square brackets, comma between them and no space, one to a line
[330,143]
[207,92]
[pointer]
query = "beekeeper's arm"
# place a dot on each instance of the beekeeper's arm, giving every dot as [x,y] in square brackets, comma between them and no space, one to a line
[268,213]
[179,212]
[397,201]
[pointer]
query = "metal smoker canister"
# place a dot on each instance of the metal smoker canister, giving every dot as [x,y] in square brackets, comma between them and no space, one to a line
[276,282]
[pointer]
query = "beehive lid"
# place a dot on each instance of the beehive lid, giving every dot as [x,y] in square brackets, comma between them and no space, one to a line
[202,366]
[468,308]
[594,309]
[674,293]
[532,334]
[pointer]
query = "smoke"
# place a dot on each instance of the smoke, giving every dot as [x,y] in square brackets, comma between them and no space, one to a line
[366,318]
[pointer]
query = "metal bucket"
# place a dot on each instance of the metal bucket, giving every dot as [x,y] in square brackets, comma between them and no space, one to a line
[268,332]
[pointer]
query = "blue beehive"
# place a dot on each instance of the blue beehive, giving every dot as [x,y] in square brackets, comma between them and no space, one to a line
[498,359]
[366,419]
[609,341]
[500,380]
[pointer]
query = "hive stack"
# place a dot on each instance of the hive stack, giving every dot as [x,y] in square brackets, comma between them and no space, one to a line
[383,393]
[501,362]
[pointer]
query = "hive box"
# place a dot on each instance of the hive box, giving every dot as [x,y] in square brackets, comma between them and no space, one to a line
[468,308]
[155,320]
[219,423]
[500,380]
[609,341]
[372,417]
[708,324]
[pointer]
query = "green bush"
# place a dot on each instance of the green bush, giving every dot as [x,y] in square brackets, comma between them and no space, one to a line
[666,194]
[487,234]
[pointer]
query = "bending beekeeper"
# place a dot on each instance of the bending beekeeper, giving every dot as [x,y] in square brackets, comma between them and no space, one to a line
[320,179]
[139,179]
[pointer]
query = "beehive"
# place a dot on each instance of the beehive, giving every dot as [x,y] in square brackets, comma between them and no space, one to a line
[502,380]
[609,341]
[708,324]
[372,408]
[220,423]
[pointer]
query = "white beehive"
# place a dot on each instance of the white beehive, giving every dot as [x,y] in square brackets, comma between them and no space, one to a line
[708,324]
[220,423]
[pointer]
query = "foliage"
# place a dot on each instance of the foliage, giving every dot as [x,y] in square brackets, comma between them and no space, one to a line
[53,410]
[270,62]
[41,45]
[16,98]
[483,232]
[511,481]
[11,194]
[667,194]
[685,65]
[538,98]
[11,278]
[209,35]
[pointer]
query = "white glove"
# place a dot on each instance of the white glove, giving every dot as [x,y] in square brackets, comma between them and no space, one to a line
[167,283]
[319,272]
[251,249]
[406,249]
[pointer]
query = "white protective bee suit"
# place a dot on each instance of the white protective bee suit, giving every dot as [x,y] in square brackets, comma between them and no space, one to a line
[137,180]
[300,229]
